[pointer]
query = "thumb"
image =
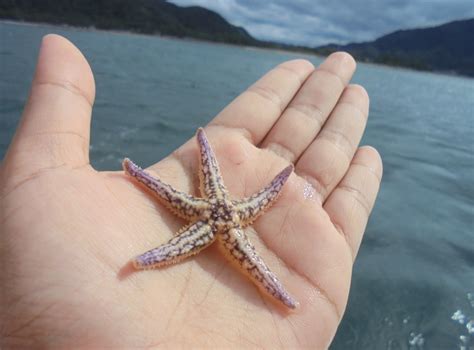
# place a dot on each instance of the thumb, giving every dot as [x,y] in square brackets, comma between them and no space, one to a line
[54,129]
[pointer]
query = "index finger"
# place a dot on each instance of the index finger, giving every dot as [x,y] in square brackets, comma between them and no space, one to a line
[257,109]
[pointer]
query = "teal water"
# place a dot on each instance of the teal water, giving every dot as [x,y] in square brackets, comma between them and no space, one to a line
[413,283]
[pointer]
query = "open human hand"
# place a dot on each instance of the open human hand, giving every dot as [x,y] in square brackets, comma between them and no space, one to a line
[69,231]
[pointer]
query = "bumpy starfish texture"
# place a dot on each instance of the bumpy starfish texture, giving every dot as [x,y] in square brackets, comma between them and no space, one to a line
[214,217]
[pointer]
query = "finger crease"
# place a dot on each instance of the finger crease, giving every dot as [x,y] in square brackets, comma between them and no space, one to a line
[298,76]
[83,140]
[36,174]
[354,106]
[281,151]
[369,169]
[334,75]
[68,86]
[358,196]
[335,136]
[73,133]
[268,94]
[337,146]
[310,110]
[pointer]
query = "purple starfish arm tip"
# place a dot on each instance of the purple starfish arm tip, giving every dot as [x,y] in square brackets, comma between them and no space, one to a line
[290,302]
[287,171]
[144,260]
[201,135]
[202,140]
[130,167]
[281,178]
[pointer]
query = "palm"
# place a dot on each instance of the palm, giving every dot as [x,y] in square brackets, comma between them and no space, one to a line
[84,226]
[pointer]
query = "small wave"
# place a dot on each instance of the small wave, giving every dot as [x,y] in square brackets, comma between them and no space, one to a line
[165,126]
[465,320]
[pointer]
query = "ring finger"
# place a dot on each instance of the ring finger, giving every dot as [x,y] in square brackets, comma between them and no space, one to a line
[326,160]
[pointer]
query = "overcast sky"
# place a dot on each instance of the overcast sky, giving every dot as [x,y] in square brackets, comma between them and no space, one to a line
[318,22]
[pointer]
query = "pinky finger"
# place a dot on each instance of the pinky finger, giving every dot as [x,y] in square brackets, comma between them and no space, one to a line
[351,202]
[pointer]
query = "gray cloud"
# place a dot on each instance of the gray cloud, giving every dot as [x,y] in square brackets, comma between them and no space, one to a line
[317,22]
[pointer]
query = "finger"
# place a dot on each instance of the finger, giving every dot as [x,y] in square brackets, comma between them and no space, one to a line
[310,108]
[351,202]
[256,109]
[54,129]
[328,157]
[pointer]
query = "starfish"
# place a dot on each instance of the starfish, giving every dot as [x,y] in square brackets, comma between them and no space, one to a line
[214,217]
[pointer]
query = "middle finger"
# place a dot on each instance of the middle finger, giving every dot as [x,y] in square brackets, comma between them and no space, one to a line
[303,118]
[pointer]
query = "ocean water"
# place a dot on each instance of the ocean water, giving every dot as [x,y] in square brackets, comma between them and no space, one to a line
[413,283]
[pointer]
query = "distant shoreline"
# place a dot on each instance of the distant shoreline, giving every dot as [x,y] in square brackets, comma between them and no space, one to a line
[161,36]
[442,48]
[195,40]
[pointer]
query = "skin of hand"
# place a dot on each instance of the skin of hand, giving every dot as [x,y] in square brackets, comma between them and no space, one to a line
[67,231]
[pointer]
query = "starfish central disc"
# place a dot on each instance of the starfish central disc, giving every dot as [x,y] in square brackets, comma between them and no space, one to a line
[222,215]
[214,217]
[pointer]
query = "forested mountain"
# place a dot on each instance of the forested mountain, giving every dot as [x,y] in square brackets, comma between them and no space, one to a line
[143,16]
[447,48]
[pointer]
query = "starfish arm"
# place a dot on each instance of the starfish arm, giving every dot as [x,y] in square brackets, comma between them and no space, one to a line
[189,241]
[250,208]
[180,203]
[210,176]
[237,248]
